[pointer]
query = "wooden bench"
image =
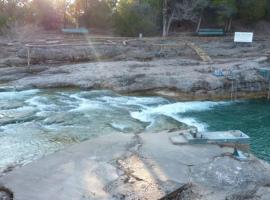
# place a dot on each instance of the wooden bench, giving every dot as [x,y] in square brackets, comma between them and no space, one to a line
[211,32]
[75,31]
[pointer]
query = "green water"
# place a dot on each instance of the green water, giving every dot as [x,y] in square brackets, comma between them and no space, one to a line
[251,117]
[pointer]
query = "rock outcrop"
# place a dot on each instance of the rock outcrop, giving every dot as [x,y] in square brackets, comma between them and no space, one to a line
[173,77]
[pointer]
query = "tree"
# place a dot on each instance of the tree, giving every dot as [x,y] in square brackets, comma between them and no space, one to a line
[134,17]
[179,10]
[252,10]
[46,15]
[98,14]
[225,10]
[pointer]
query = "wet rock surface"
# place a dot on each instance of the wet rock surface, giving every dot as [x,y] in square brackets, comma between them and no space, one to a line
[144,166]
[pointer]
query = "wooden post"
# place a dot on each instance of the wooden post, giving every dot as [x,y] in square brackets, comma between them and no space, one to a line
[230,24]
[226,26]
[28,57]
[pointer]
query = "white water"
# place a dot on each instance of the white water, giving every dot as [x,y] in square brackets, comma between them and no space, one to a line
[34,123]
[174,110]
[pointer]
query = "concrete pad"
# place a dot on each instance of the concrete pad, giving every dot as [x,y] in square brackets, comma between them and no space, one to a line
[225,135]
[79,172]
[180,139]
[144,166]
[174,160]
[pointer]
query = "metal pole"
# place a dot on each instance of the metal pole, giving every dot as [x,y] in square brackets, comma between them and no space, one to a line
[268,96]
[235,93]
[232,91]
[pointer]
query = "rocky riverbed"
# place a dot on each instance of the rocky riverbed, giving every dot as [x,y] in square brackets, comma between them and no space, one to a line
[147,165]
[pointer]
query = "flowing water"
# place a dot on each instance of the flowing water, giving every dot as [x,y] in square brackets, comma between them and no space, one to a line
[34,123]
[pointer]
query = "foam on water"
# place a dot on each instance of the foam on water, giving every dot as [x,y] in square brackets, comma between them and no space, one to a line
[174,110]
[85,104]
[41,103]
[17,94]
[134,101]
[46,121]
[119,126]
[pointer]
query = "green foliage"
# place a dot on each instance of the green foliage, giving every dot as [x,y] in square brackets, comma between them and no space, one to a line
[98,15]
[268,9]
[225,8]
[133,17]
[252,10]
[156,4]
[3,21]
[129,17]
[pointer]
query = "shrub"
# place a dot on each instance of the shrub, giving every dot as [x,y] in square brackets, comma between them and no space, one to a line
[98,15]
[3,22]
[133,17]
[252,10]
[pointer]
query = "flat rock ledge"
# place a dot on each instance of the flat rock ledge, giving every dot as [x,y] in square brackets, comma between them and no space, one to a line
[140,166]
[177,78]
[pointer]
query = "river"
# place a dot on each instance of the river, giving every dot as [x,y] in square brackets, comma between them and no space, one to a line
[35,123]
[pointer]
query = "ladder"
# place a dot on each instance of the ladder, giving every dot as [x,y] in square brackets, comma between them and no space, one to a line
[200,52]
[234,85]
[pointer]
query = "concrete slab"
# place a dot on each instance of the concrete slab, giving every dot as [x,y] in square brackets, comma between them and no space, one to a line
[219,137]
[127,166]
[79,172]
[179,139]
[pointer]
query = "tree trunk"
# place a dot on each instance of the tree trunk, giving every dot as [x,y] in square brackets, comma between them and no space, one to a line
[169,25]
[165,12]
[230,24]
[199,24]
[226,25]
